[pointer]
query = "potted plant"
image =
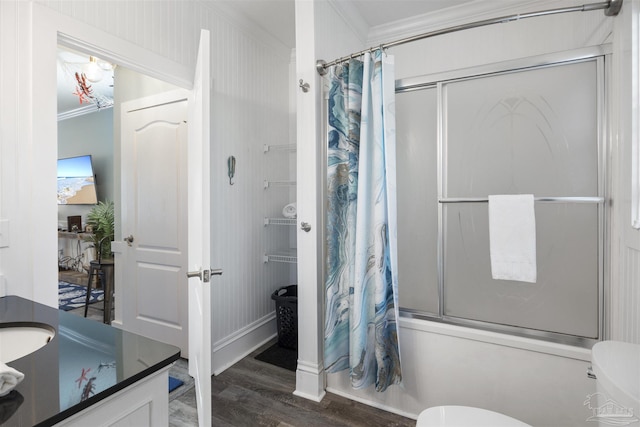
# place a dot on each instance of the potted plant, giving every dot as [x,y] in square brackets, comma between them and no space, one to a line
[101,219]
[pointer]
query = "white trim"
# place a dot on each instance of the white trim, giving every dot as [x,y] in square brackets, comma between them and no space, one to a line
[86,39]
[372,403]
[310,381]
[81,111]
[635,117]
[233,348]
[310,377]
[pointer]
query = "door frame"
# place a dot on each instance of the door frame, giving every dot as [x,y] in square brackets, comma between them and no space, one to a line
[48,30]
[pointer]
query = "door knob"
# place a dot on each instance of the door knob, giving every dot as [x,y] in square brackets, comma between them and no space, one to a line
[197,274]
[205,274]
[129,240]
[305,226]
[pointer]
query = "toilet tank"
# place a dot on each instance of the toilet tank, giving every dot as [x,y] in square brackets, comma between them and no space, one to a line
[616,366]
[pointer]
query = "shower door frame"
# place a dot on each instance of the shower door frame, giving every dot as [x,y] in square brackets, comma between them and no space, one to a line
[597,53]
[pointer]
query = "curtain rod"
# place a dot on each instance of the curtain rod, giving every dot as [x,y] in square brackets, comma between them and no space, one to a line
[611,8]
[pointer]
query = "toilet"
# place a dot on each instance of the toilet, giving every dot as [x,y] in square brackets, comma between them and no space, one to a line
[465,416]
[616,366]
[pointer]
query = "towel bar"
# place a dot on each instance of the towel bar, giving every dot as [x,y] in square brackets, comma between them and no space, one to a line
[537,199]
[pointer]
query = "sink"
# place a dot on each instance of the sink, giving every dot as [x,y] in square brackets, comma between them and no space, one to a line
[22,338]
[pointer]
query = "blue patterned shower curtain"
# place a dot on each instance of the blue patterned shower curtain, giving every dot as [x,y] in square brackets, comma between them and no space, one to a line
[361,332]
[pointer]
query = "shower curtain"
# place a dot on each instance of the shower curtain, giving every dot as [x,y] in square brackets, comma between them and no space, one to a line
[361,332]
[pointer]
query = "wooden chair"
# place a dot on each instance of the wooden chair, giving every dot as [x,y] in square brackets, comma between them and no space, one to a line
[102,269]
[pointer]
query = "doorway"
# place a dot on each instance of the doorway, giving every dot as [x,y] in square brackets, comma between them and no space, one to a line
[97,132]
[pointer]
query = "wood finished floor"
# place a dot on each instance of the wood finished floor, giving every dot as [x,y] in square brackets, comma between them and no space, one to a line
[255,393]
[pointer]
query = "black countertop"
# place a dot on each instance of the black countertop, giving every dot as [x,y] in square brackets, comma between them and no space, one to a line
[84,363]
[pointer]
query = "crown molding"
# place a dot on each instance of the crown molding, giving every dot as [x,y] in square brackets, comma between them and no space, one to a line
[457,15]
[81,111]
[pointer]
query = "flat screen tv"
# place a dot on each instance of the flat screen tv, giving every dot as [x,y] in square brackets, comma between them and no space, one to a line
[76,181]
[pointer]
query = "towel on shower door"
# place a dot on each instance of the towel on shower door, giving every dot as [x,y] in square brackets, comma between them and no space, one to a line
[512,237]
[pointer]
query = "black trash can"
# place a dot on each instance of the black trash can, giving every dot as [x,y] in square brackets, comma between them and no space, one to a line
[286,299]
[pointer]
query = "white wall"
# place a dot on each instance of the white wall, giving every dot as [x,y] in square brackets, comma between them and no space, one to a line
[462,366]
[250,97]
[89,134]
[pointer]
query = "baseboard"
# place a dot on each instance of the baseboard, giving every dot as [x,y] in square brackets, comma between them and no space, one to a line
[372,403]
[310,381]
[237,346]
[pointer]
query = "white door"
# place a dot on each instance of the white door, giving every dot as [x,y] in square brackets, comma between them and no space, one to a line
[154,217]
[199,234]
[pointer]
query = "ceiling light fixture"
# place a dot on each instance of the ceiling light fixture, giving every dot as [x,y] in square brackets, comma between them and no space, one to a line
[92,70]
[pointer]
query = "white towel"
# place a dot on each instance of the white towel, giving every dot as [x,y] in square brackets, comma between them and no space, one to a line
[512,237]
[290,211]
[9,378]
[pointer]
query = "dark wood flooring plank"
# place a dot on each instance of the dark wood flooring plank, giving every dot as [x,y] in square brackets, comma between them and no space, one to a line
[254,393]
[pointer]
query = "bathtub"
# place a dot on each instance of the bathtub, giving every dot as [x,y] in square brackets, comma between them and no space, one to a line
[537,382]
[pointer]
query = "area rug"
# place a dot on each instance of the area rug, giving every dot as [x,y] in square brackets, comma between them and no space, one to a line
[279,356]
[72,296]
[174,383]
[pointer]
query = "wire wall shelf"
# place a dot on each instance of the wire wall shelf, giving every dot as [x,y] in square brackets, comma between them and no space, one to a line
[268,183]
[286,257]
[279,147]
[279,221]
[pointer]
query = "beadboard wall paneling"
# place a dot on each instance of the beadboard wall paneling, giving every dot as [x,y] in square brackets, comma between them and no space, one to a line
[339,38]
[624,297]
[626,300]
[15,138]
[502,42]
[250,107]
[169,28]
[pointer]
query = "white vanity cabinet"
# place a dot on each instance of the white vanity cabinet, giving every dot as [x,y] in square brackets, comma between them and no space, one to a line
[142,404]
